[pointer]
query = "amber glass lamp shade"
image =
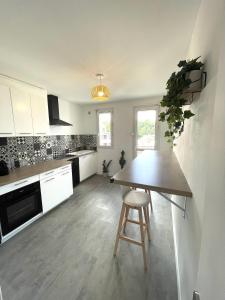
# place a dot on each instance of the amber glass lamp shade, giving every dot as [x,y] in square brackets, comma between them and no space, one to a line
[100,92]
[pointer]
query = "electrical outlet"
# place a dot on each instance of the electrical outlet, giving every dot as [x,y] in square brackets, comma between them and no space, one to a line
[196,295]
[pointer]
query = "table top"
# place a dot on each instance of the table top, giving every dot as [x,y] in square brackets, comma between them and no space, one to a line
[157,171]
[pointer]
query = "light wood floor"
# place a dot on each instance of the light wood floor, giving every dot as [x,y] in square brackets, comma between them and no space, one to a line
[68,254]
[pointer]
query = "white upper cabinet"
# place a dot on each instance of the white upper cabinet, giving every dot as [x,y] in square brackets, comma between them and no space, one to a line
[6,114]
[39,108]
[22,112]
[23,108]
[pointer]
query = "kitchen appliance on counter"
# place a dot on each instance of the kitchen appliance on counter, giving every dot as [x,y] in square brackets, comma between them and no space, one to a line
[20,206]
[3,168]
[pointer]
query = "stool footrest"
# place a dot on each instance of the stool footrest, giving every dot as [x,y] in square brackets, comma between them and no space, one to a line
[135,222]
[125,238]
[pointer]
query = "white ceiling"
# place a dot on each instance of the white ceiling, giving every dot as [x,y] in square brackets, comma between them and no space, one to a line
[60,45]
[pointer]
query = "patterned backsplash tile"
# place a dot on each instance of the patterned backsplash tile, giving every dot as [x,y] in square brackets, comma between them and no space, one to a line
[34,149]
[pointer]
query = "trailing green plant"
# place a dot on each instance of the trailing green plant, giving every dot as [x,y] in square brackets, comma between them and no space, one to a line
[173,101]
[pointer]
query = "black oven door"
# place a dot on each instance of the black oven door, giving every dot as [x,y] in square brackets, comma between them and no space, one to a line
[19,206]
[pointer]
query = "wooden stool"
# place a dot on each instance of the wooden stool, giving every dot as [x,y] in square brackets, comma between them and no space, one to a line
[139,201]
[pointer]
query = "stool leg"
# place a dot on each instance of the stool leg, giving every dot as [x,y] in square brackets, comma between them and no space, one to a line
[126,217]
[147,221]
[119,228]
[142,237]
[147,209]
[149,192]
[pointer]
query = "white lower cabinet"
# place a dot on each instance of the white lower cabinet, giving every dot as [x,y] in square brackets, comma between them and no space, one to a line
[49,193]
[56,188]
[87,165]
[65,185]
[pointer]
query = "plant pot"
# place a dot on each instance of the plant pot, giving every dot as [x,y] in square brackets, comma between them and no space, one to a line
[198,78]
[105,174]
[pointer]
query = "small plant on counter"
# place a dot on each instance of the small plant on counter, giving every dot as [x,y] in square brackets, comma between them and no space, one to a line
[174,100]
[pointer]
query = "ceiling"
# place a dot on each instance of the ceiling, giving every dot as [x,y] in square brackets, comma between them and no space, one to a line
[61,45]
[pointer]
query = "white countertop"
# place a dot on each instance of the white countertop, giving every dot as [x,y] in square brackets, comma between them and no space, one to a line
[82,152]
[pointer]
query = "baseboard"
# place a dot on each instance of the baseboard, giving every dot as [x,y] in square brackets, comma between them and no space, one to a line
[176,257]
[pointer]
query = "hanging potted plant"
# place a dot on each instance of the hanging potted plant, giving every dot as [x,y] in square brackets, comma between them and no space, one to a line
[187,80]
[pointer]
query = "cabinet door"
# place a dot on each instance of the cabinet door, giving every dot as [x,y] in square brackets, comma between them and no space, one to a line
[83,165]
[49,193]
[6,114]
[39,108]
[93,164]
[22,112]
[88,165]
[65,185]
[55,189]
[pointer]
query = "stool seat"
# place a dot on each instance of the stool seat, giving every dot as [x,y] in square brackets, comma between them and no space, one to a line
[137,199]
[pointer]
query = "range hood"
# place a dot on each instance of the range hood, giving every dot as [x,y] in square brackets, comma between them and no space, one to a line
[53,112]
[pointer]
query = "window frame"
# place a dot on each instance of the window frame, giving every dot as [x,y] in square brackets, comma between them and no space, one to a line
[157,138]
[99,111]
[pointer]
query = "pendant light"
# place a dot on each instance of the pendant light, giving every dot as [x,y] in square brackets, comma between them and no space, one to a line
[100,92]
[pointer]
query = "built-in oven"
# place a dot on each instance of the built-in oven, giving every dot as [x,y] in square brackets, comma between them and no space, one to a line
[18,207]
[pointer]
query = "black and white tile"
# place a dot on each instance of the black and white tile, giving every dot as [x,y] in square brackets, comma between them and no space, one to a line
[29,150]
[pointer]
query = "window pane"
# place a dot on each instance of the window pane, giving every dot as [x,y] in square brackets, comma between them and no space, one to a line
[105,130]
[146,120]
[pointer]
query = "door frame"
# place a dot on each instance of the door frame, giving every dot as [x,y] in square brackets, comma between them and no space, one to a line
[157,137]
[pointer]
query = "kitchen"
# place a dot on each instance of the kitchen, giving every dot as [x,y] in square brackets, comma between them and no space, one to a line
[107,161]
[57,163]
[42,169]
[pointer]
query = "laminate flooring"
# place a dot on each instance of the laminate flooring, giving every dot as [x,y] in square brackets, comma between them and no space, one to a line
[68,254]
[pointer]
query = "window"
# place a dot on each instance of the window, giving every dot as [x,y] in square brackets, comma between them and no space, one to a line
[145,128]
[105,128]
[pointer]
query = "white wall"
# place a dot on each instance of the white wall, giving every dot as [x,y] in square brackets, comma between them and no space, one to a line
[71,113]
[211,273]
[199,238]
[123,128]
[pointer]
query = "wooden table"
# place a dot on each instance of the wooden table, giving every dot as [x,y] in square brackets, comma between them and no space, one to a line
[157,171]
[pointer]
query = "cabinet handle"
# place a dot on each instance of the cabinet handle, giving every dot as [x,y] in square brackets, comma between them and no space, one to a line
[6,133]
[50,179]
[65,167]
[20,182]
[65,173]
[40,132]
[25,133]
[49,173]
